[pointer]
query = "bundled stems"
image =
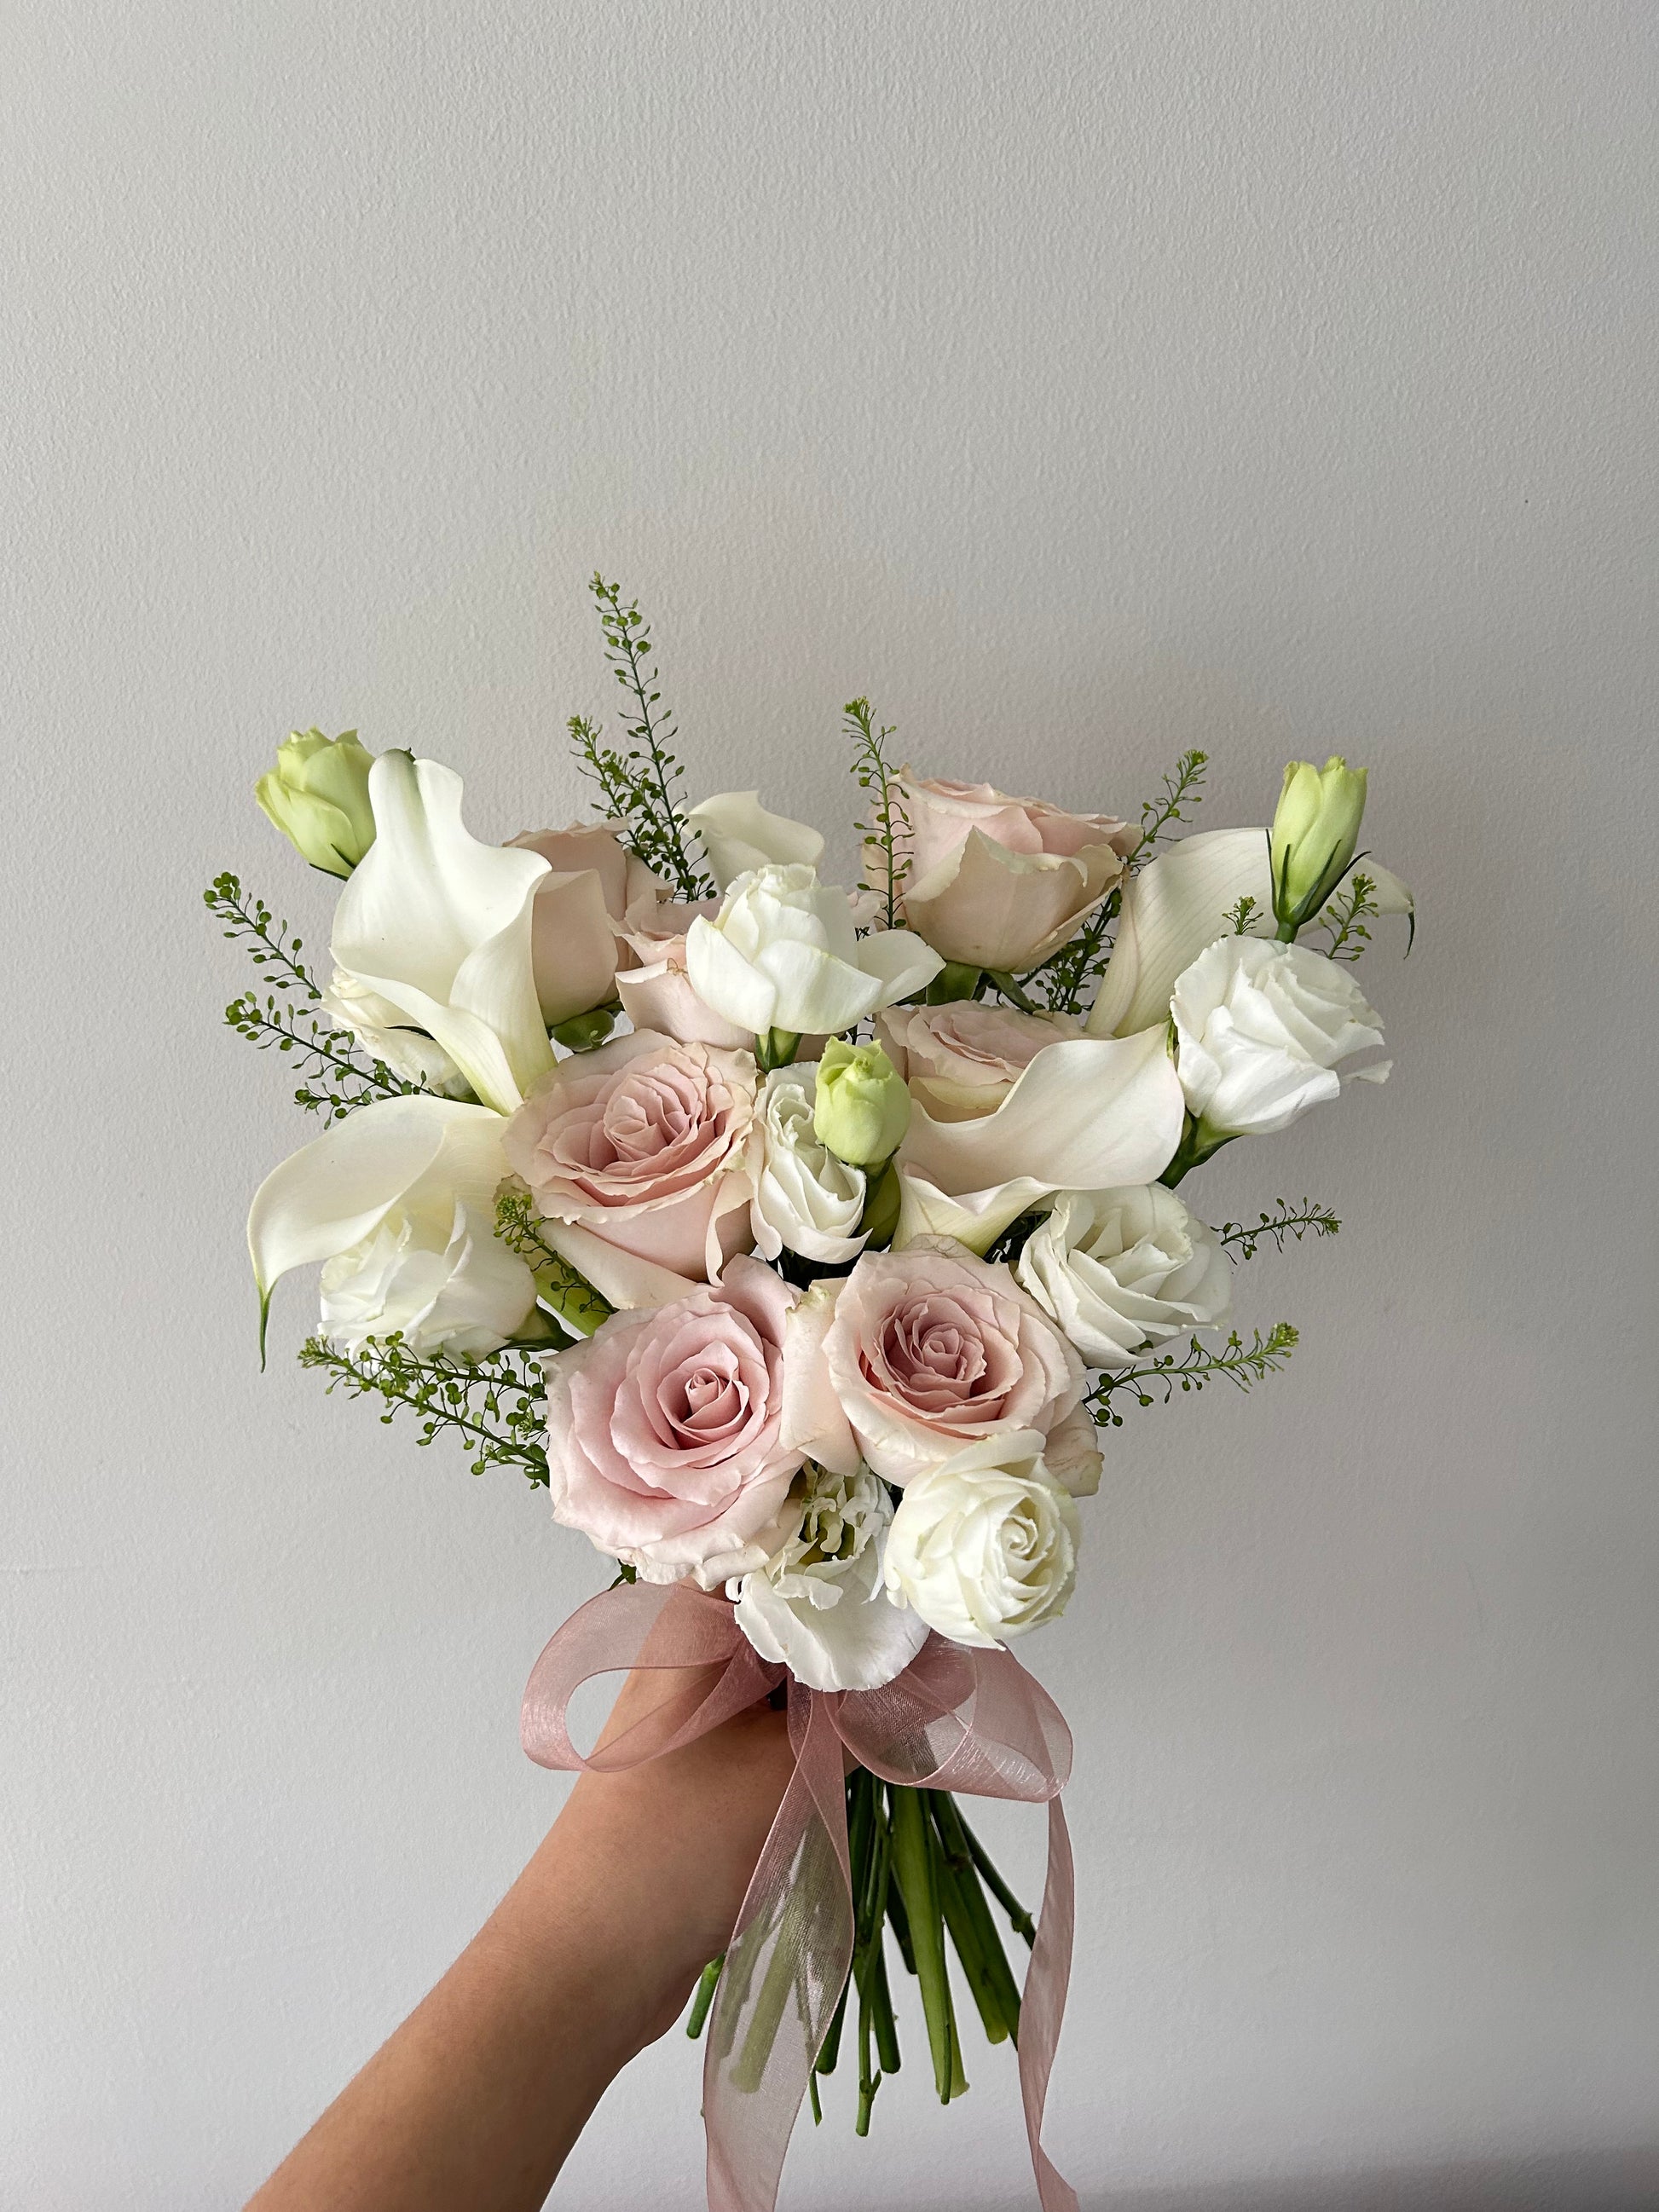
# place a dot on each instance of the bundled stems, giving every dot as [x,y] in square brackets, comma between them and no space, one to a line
[919,1872]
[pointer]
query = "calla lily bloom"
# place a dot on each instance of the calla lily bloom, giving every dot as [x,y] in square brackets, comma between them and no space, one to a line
[414,1157]
[1085,1114]
[439,926]
[1178,906]
[738,834]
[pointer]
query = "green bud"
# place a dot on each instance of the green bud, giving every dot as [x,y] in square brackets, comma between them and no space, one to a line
[861,1109]
[1312,841]
[318,797]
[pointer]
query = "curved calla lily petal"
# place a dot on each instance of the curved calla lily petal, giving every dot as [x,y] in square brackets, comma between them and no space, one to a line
[1178,906]
[975,1218]
[414,1153]
[1085,1114]
[440,925]
[738,833]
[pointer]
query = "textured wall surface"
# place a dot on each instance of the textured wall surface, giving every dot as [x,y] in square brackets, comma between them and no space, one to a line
[1085,381]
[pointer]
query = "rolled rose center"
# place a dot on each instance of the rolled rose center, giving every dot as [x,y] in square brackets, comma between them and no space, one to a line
[943,1360]
[658,1124]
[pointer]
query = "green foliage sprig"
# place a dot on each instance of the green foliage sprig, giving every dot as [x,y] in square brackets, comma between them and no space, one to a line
[336,1075]
[1346,915]
[1242,914]
[1297,1218]
[1240,1364]
[1180,792]
[497,1407]
[560,1286]
[639,786]
[887,827]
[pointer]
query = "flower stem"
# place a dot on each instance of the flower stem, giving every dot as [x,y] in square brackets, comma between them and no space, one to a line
[916,1870]
[1018,1918]
[704,1997]
[972,1928]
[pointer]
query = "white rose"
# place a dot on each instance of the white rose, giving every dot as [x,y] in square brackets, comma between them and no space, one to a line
[805,1197]
[783,953]
[462,1292]
[1121,1269]
[817,1605]
[1262,1029]
[382,1029]
[984,1548]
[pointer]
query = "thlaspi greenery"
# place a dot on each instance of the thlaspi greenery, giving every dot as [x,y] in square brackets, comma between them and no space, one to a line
[561,1287]
[887,825]
[1236,1362]
[496,1406]
[1174,802]
[338,1075]
[1298,1219]
[639,786]
[1346,917]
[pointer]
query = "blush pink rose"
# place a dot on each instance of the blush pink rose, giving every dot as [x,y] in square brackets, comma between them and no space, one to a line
[999,882]
[654,988]
[577,912]
[636,1156]
[917,1355]
[664,1441]
[963,1059]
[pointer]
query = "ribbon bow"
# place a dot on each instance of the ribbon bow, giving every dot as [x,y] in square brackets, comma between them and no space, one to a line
[972,1722]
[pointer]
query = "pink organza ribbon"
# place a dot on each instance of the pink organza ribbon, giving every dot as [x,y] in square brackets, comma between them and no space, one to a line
[972,1722]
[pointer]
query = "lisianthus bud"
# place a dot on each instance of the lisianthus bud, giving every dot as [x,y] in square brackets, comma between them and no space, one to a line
[1312,842]
[861,1109]
[318,797]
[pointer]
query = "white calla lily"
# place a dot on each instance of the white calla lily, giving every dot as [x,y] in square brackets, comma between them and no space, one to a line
[439,926]
[738,834]
[1179,904]
[1085,1114]
[418,1156]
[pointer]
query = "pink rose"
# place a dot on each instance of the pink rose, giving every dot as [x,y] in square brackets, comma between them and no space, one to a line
[663,1432]
[917,1355]
[655,991]
[963,1059]
[1001,883]
[577,912]
[635,1154]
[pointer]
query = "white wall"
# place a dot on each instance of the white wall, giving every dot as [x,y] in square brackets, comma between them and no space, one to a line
[1084,381]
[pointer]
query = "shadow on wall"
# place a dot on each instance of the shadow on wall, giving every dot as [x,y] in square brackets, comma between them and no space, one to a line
[1594,2181]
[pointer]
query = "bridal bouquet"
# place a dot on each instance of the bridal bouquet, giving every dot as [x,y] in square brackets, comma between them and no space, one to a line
[806,1245]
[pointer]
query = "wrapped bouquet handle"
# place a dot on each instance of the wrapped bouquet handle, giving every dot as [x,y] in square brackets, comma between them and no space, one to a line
[967,1721]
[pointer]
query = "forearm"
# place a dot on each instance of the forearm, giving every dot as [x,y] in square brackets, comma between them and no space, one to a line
[478,2098]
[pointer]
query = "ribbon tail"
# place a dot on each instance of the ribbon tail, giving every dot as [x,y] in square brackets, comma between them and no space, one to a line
[1043,2006]
[784,1967]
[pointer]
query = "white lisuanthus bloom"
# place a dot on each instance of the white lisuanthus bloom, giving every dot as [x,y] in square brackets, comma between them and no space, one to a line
[1262,1029]
[819,1606]
[1121,1269]
[784,953]
[805,1196]
[463,1293]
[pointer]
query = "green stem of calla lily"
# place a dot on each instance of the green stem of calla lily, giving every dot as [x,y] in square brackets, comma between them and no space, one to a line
[775,1049]
[1198,1142]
